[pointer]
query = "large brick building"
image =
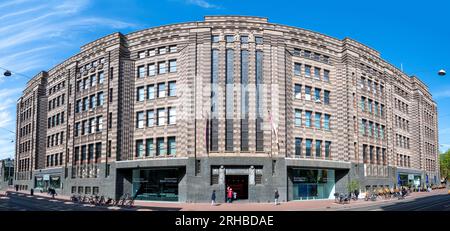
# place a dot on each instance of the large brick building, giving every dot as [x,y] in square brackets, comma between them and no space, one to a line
[174,112]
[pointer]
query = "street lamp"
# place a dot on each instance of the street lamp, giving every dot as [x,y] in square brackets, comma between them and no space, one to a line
[441,72]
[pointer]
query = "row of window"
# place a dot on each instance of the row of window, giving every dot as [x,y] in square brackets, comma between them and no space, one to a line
[371,86]
[401,141]
[56,87]
[86,152]
[25,130]
[162,148]
[25,115]
[430,149]
[157,51]
[160,117]
[89,102]
[89,126]
[317,94]
[318,123]
[54,160]
[91,81]
[403,161]
[317,72]
[56,102]
[374,155]
[320,150]
[162,68]
[371,129]
[401,123]
[140,91]
[429,133]
[26,103]
[401,92]
[92,64]
[55,139]
[87,190]
[55,120]
[311,55]
[232,38]
[25,147]
[401,106]
[372,107]
[430,165]
[24,165]
[429,118]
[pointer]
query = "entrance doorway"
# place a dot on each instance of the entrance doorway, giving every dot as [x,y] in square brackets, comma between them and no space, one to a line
[239,184]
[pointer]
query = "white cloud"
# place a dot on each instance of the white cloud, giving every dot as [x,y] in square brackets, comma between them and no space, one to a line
[202,3]
[441,94]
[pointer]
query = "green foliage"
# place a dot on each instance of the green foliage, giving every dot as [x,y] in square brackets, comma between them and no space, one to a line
[353,185]
[444,162]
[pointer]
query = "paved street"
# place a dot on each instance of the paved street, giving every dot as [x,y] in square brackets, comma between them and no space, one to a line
[437,200]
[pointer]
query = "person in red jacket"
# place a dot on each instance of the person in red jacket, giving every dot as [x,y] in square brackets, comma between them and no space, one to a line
[229,194]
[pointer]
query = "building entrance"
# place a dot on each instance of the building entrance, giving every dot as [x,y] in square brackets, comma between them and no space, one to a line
[239,184]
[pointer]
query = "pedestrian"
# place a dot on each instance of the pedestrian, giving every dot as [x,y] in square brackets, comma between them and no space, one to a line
[356,193]
[277,195]
[234,195]
[213,198]
[17,187]
[230,195]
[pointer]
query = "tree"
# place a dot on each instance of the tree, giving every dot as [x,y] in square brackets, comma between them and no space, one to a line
[353,185]
[444,162]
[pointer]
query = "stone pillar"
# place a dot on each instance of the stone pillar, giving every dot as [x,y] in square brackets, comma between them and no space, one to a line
[221,175]
[251,175]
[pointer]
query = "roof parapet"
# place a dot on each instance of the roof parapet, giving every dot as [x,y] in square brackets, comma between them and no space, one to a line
[220,18]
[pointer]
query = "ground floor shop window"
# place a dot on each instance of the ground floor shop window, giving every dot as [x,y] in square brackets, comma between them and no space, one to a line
[156,184]
[311,184]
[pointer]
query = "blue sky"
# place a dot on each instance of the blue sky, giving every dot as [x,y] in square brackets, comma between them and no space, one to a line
[36,35]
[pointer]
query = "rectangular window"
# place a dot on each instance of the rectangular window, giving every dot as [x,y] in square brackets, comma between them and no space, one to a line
[161,67]
[139,148]
[141,72]
[91,125]
[298,146]
[150,92]
[151,52]
[370,128]
[327,149]
[363,104]
[215,38]
[140,94]
[317,123]
[229,38]
[173,65]
[171,146]
[307,71]
[85,83]
[83,152]
[140,119]
[172,115]
[326,97]
[308,119]
[308,147]
[162,50]
[326,75]
[149,150]
[244,39]
[98,151]
[214,123]
[151,69]
[100,99]
[92,102]
[161,90]
[307,93]
[150,118]
[160,148]
[93,80]
[326,122]
[318,148]
[229,99]
[297,91]
[369,105]
[173,48]
[99,123]
[258,40]
[101,77]
[244,99]
[161,116]
[77,129]
[172,88]
[317,95]
[316,73]
[297,68]
[298,118]
[85,104]
[259,101]
[141,54]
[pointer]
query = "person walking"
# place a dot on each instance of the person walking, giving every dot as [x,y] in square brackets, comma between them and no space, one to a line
[277,195]
[230,194]
[213,198]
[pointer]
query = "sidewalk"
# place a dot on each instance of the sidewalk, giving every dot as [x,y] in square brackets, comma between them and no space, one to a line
[316,205]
